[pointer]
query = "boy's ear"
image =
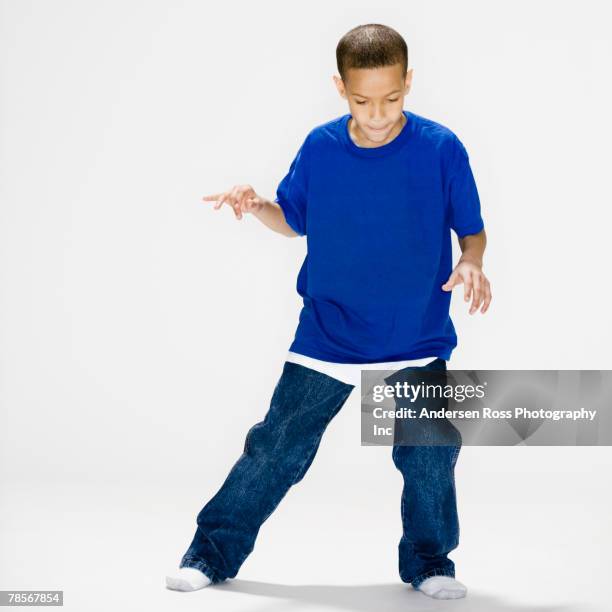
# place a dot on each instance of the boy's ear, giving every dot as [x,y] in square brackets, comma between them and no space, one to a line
[339,85]
[408,81]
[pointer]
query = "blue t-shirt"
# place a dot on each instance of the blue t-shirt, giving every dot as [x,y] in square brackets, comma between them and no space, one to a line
[377,223]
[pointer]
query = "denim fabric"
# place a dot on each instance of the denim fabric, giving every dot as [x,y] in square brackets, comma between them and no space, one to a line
[429,502]
[277,454]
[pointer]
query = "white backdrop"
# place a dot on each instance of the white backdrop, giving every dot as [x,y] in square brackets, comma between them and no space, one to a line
[142,332]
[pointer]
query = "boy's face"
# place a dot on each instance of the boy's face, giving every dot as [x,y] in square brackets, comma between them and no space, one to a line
[376,102]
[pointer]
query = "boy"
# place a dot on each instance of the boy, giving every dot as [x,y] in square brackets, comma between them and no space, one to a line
[376,192]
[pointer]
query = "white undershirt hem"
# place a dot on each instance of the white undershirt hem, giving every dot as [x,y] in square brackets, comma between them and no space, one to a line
[350,373]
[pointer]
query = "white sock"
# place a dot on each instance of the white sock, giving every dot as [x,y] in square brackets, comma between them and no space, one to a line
[442,587]
[187,579]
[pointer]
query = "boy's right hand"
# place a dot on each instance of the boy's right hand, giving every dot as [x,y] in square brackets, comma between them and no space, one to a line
[242,199]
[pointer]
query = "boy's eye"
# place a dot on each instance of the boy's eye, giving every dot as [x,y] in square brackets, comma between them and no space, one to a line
[388,100]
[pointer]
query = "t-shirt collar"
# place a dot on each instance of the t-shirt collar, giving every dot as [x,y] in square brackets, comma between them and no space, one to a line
[382,150]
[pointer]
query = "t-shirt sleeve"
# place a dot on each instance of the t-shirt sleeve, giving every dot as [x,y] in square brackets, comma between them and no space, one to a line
[291,194]
[464,202]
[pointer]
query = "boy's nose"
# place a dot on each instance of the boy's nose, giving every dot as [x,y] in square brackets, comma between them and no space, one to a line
[377,116]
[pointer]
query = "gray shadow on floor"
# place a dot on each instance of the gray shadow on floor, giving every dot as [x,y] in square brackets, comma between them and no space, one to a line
[390,597]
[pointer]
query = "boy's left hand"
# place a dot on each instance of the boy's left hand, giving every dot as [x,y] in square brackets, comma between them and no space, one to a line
[475,283]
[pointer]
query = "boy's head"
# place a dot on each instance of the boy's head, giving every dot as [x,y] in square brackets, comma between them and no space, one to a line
[372,61]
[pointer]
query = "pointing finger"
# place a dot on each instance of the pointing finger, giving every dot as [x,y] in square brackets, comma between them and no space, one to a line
[215,196]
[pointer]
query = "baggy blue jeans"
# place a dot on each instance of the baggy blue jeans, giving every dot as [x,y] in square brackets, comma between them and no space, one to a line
[277,453]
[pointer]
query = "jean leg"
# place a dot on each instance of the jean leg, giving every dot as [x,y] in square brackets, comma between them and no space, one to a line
[430,522]
[277,453]
[429,511]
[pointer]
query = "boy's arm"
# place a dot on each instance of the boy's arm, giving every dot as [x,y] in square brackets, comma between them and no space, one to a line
[285,215]
[272,216]
[473,247]
[469,271]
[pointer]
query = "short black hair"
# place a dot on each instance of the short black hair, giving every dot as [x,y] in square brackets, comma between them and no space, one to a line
[372,45]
